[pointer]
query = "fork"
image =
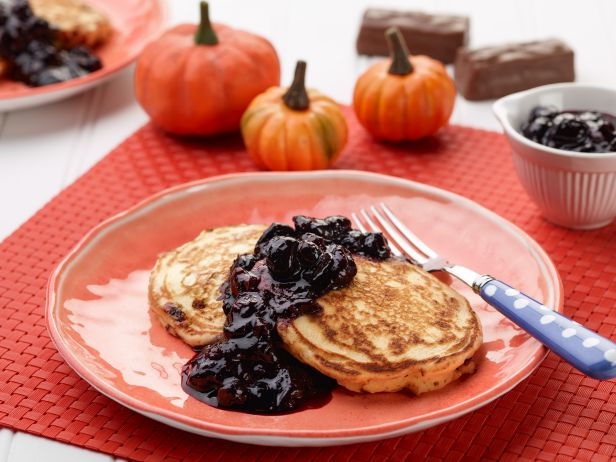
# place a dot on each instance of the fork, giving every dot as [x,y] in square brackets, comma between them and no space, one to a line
[584,349]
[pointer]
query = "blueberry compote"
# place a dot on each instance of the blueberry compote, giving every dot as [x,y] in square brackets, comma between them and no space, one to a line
[27,42]
[290,268]
[580,131]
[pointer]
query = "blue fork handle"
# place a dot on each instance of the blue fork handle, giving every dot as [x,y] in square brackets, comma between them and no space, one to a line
[586,350]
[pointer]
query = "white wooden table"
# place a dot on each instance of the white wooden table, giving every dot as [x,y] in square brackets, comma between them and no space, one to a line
[43,150]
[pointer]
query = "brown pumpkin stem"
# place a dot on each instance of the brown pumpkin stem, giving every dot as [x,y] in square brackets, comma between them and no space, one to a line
[296,97]
[205,34]
[400,63]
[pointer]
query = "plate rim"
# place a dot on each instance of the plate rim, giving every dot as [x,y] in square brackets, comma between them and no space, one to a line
[282,436]
[25,95]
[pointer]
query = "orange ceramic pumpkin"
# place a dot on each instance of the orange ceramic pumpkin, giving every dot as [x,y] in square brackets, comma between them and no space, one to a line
[294,128]
[406,97]
[199,80]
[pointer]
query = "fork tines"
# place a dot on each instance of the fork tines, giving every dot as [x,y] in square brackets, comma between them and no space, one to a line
[402,240]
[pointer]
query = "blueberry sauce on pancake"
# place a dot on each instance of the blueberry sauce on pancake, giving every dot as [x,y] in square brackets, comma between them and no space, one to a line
[291,267]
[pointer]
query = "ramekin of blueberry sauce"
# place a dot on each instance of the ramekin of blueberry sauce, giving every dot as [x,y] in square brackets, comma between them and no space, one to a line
[563,145]
[290,268]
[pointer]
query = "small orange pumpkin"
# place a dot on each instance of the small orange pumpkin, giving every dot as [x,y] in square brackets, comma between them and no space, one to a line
[406,97]
[199,80]
[294,128]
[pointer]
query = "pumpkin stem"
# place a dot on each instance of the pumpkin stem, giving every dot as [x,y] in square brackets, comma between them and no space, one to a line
[205,34]
[400,63]
[296,97]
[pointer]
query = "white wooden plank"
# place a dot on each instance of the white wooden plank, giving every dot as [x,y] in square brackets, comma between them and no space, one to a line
[29,448]
[6,438]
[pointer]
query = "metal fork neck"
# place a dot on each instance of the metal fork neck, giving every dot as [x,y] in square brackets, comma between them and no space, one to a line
[469,277]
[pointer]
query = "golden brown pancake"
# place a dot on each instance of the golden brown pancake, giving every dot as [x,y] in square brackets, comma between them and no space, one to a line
[394,327]
[184,284]
[77,22]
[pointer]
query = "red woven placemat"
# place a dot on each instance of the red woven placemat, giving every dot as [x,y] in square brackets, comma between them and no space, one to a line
[557,413]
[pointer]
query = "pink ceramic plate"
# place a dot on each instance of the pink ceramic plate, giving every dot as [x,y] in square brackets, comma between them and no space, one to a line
[97,308]
[135,23]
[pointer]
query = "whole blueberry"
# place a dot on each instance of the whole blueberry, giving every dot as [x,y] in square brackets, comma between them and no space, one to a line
[543,111]
[338,226]
[353,241]
[566,132]
[308,253]
[281,257]
[321,274]
[607,130]
[343,267]
[245,261]
[535,128]
[241,280]
[273,230]
[304,224]
[331,228]
[375,245]
[314,239]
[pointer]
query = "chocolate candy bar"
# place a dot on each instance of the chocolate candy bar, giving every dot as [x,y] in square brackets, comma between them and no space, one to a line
[438,36]
[496,71]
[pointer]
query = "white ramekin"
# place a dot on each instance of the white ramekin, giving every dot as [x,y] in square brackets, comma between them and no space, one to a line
[576,190]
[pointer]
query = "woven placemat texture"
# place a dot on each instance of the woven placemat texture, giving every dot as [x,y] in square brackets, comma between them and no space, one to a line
[556,414]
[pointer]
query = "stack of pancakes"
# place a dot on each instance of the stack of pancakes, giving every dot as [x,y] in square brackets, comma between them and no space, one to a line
[394,327]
